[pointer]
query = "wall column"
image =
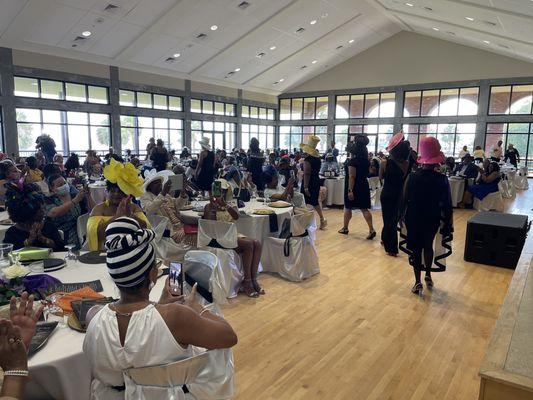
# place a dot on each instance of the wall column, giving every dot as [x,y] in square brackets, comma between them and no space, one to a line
[114,98]
[482,111]
[187,120]
[11,144]
[238,114]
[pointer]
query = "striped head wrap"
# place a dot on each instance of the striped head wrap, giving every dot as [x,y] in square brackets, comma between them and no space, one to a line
[130,253]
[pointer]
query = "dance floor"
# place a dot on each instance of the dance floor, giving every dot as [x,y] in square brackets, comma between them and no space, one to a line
[356,332]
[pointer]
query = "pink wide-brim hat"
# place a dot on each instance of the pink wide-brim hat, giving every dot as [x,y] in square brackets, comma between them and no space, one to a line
[395,140]
[429,151]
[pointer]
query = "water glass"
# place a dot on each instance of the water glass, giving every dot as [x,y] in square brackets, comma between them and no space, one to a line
[5,250]
[70,257]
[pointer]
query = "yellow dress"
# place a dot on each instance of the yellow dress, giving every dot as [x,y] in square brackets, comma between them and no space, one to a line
[92,229]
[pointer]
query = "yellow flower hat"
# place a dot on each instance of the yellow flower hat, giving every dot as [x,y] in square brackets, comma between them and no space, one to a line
[126,176]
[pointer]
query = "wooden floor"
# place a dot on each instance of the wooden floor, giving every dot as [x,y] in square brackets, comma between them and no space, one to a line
[355,331]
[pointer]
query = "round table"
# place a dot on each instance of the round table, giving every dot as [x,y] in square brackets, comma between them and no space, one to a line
[98,191]
[335,188]
[60,370]
[457,189]
[249,224]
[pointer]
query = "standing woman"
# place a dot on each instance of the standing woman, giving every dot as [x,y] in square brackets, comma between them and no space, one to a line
[393,172]
[356,188]
[311,178]
[255,164]
[205,172]
[427,200]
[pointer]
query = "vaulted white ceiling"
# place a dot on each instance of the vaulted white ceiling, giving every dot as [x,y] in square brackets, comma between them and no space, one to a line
[257,44]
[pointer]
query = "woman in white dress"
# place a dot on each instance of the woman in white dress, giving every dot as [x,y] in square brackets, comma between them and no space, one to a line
[134,332]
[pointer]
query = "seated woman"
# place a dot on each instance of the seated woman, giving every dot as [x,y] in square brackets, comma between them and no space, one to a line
[487,183]
[330,165]
[58,160]
[135,332]
[275,192]
[63,209]
[122,182]
[25,206]
[249,249]
[8,173]
[157,200]
[33,174]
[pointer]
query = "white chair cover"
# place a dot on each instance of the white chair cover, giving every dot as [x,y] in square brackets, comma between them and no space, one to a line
[375,191]
[493,201]
[521,182]
[225,233]
[506,189]
[208,375]
[81,228]
[302,261]
[204,268]
[165,247]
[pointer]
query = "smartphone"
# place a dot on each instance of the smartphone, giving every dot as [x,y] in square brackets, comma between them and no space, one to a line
[217,189]
[175,276]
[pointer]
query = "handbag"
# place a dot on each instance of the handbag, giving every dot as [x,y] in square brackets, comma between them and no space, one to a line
[242,194]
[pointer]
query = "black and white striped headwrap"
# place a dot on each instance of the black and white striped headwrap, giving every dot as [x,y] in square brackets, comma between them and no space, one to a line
[130,253]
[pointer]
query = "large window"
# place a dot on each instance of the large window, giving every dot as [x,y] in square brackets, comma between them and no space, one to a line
[212,107]
[517,134]
[369,105]
[264,133]
[378,135]
[1,132]
[516,99]
[71,131]
[441,102]
[136,132]
[303,108]
[57,90]
[156,101]
[292,136]
[452,137]
[258,112]
[220,134]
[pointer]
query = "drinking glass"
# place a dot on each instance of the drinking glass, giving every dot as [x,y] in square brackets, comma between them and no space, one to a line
[5,251]
[53,312]
[70,257]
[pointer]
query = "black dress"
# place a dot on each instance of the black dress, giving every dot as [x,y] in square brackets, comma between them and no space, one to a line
[391,197]
[361,189]
[17,236]
[255,167]
[314,181]
[206,175]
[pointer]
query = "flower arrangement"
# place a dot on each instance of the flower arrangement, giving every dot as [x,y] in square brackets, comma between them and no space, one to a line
[9,288]
[126,176]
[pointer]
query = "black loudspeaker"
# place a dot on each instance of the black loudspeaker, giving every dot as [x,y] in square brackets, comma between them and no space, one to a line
[495,238]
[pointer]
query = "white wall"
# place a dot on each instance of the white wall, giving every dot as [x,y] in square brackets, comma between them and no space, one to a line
[409,58]
[144,78]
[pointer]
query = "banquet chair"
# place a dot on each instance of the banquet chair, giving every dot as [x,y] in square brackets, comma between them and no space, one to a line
[507,189]
[202,267]
[165,247]
[220,238]
[491,202]
[294,258]
[521,182]
[375,191]
[207,375]
[81,228]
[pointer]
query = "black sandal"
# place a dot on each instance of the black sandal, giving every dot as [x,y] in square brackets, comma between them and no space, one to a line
[417,289]
[257,287]
[371,235]
[429,282]
[344,231]
[248,289]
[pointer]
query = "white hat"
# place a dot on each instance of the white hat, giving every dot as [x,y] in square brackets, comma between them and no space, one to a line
[152,175]
[204,142]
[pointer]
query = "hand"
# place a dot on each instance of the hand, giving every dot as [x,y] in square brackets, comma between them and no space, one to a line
[12,349]
[24,317]
[351,196]
[166,188]
[36,229]
[168,296]
[191,301]
[79,197]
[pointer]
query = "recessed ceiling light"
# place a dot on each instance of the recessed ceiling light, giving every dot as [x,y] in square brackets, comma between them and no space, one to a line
[314,62]
[486,41]
[436,29]
[176,55]
[214,27]
[313,22]
[409,5]
[351,41]
[86,33]
[274,47]
[237,69]
[469,18]
[282,79]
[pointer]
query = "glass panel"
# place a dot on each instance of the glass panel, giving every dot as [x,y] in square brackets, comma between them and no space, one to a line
[28,115]
[529,156]
[356,128]
[196,136]
[196,106]
[75,92]
[176,139]
[285,110]
[411,107]
[97,95]
[99,119]
[52,116]
[77,118]
[144,100]
[145,122]
[254,112]
[52,90]
[284,137]
[230,110]
[174,103]
[27,133]
[383,141]
[521,100]
[56,132]
[196,125]
[372,142]
[144,136]
[127,98]
[370,129]
[160,102]
[100,138]
[207,126]
[342,107]
[175,123]
[271,113]
[27,87]
[430,103]
[447,142]
[518,128]
[496,128]
[262,113]
[78,138]
[372,105]
[127,120]
[219,126]
[309,108]
[491,141]
[321,108]
[207,107]
[245,111]
[296,109]
[219,108]
[499,100]
[387,105]
[519,142]
[356,106]
[127,137]
[161,123]
[468,100]
[449,102]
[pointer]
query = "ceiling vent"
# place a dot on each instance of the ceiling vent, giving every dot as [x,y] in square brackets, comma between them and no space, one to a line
[111,8]
[303,67]
[490,23]
[275,83]
[450,33]
[170,60]
[244,5]
[504,46]
[79,39]
[428,9]
[260,55]
[201,36]
[299,30]
[339,47]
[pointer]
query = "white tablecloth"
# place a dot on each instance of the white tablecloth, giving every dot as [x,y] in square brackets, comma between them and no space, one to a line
[97,192]
[250,225]
[60,370]
[457,187]
[335,188]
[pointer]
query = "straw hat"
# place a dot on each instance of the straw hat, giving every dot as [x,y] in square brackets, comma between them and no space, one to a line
[429,151]
[204,142]
[310,146]
[395,141]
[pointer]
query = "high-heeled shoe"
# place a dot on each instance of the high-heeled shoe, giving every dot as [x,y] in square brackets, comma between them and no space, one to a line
[343,231]
[371,235]
[257,287]
[429,282]
[323,223]
[417,289]
[248,289]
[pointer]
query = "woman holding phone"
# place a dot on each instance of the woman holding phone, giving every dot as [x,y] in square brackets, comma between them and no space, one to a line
[249,249]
